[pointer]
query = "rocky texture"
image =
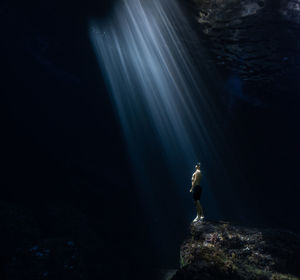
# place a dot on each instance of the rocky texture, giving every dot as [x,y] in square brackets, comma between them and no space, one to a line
[47,259]
[258,40]
[224,251]
[290,10]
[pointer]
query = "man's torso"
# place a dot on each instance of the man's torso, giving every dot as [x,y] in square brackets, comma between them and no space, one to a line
[197,178]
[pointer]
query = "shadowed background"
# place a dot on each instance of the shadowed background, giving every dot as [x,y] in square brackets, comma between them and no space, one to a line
[67,175]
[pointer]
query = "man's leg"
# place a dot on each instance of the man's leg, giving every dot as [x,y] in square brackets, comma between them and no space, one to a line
[199,209]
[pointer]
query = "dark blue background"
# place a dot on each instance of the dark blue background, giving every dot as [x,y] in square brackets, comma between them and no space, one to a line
[62,144]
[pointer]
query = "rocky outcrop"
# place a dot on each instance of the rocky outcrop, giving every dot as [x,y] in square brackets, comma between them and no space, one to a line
[290,10]
[224,251]
[258,40]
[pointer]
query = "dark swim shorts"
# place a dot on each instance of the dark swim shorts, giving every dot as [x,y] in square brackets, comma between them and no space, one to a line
[197,192]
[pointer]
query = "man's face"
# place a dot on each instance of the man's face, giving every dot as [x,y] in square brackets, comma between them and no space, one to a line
[197,167]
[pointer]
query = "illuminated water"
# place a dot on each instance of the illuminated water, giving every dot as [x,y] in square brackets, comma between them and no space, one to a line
[162,102]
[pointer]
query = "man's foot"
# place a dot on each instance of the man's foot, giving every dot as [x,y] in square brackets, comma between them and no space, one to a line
[196,219]
[202,218]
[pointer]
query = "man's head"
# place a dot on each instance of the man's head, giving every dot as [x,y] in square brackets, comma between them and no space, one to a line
[197,166]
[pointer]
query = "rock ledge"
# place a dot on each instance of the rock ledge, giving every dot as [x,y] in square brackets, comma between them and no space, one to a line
[219,250]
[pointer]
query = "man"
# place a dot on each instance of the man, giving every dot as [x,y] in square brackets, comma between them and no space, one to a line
[197,190]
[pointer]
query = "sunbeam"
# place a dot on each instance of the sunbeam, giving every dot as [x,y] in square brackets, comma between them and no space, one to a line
[164,107]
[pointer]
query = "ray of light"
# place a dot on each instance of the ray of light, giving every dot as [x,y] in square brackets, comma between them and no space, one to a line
[158,93]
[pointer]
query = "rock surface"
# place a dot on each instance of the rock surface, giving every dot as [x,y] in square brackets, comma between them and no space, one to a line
[219,250]
[258,40]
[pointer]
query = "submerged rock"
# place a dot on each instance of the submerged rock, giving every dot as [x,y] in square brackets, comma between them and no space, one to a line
[255,39]
[224,251]
[290,9]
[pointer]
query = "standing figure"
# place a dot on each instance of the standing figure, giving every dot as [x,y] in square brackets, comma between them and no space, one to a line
[196,189]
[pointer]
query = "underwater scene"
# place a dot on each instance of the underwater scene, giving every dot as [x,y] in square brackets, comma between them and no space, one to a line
[150,139]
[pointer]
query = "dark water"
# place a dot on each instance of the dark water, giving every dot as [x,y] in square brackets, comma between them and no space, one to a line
[104,158]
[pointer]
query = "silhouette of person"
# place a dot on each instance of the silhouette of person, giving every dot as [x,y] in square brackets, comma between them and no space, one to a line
[196,189]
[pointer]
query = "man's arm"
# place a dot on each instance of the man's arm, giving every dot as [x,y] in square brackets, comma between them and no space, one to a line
[193,181]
